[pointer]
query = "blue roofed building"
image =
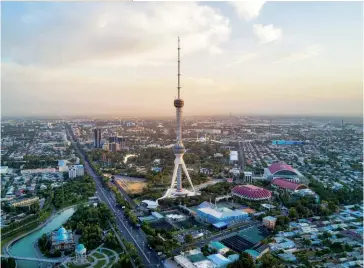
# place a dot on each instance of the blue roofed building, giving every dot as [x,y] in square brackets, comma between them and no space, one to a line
[285,244]
[219,260]
[287,257]
[62,240]
[233,257]
[214,215]
[219,247]
[220,225]
[204,204]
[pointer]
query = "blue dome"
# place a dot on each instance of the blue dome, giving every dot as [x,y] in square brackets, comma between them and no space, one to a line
[80,247]
[61,237]
[61,231]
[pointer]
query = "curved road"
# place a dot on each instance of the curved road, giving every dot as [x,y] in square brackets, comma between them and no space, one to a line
[130,233]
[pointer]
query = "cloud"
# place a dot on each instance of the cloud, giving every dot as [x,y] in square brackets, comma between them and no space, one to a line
[308,52]
[248,10]
[267,33]
[216,50]
[120,33]
[202,81]
[246,56]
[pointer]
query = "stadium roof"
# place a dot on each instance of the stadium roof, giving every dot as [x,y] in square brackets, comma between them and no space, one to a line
[288,184]
[251,191]
[275,167]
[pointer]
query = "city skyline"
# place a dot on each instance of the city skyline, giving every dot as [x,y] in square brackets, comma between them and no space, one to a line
[243,58]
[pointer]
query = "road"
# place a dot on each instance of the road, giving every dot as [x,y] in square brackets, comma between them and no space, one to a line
[242,156]
[125,194]
[130,233]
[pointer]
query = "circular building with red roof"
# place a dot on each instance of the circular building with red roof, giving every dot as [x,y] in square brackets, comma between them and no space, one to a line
[251,192]
[282,170]
[287,185]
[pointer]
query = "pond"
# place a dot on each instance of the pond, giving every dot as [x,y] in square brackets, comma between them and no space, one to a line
[25,246]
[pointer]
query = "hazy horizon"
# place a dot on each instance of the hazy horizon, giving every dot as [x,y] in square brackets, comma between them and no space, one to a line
[120,58]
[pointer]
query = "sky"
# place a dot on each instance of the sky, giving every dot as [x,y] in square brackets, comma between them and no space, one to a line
[120,58]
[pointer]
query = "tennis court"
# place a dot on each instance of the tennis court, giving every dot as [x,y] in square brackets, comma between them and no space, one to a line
[237,243]
[254,234]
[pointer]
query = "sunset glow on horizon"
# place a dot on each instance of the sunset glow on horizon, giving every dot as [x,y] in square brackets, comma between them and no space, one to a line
[120,58]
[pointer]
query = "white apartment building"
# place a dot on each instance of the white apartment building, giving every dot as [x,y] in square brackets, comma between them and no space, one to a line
[76,171]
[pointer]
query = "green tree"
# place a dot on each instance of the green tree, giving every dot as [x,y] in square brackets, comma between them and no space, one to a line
[124,261]
[188,238]
[293,213]
[8,263]
[332,207]
[268,261]
[307,242]
[111,241]
[245,261]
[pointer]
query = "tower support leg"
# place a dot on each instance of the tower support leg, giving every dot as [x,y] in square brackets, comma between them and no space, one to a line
[174,174]
[187,175]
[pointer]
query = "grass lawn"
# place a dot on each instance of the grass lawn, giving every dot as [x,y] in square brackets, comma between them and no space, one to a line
[98,255]
[112,261]
[100,263]
[90,259]
[108,252]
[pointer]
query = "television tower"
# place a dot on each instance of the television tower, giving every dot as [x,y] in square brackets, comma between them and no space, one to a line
[179,149]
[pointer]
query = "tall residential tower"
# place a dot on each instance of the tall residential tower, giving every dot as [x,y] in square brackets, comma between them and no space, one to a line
[97,138]
[176,188]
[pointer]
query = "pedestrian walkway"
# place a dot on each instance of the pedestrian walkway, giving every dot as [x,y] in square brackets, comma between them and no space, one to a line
[99,258]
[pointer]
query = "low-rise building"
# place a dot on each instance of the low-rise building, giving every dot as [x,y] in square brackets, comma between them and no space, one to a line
[219,247]
[25,202]
[270,222]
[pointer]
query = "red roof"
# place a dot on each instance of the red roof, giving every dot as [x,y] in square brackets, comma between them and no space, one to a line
[251,191]
[287,184]
[273,168]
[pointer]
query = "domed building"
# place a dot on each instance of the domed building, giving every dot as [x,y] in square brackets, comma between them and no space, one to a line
[282,170]
[251,192]
[80,254]
[62,240]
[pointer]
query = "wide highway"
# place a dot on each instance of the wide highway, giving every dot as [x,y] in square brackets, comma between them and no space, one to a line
[129,232]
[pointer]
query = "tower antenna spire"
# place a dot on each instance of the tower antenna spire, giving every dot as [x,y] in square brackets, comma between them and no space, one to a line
[179,68]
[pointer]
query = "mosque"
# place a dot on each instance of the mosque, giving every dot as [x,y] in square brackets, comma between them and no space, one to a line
[62,240]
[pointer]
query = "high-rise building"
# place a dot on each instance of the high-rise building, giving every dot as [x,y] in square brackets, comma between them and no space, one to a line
[76,171]
[97,138]
[116,144]
[179,149]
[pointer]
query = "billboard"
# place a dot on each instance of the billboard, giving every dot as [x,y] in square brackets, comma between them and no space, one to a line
[282,142]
